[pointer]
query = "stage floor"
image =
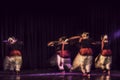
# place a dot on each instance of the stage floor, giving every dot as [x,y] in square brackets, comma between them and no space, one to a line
[36,75]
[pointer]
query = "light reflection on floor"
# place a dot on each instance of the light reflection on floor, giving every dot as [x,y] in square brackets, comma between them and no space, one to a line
[58,76]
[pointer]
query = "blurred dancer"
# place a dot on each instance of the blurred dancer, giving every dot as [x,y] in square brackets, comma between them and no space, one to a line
[62,51]
[83,60]
[104,59]
[13,61]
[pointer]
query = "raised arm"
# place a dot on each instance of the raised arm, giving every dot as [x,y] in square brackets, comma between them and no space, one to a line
[96,43]
[74,37]
[52,43]
[102,44]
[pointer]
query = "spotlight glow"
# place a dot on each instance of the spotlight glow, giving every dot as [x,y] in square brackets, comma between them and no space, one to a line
[116,34]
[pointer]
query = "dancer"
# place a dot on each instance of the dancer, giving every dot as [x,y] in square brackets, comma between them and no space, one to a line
[13,61]
[83,60]
[62,51]
[104,59]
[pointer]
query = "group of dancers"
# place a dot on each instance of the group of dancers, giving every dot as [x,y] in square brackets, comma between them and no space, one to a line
[84,57]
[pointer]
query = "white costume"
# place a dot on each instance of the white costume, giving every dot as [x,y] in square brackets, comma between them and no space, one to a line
[14,60]
[104,59]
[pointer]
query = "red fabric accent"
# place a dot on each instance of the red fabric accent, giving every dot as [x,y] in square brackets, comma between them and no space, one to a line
[64,53]
[86,51]
[106,52]
[15,53]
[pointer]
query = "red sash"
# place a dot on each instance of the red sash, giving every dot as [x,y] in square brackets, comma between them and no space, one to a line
[106,52]
[86,51]
[64,53]
[15,53]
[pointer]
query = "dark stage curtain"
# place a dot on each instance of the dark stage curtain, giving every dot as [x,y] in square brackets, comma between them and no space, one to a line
[37,28]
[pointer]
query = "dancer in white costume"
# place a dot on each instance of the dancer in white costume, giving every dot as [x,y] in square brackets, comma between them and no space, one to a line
[104,59]
[83,60]
[13,61]
[63,54]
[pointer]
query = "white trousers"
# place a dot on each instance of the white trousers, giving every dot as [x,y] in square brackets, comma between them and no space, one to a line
[13,63]
[83,62]
[61,62]
[104,62]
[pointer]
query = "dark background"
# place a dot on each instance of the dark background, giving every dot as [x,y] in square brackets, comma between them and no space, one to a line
[37,23]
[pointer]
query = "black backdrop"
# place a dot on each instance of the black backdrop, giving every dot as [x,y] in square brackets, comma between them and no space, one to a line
[38,25]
